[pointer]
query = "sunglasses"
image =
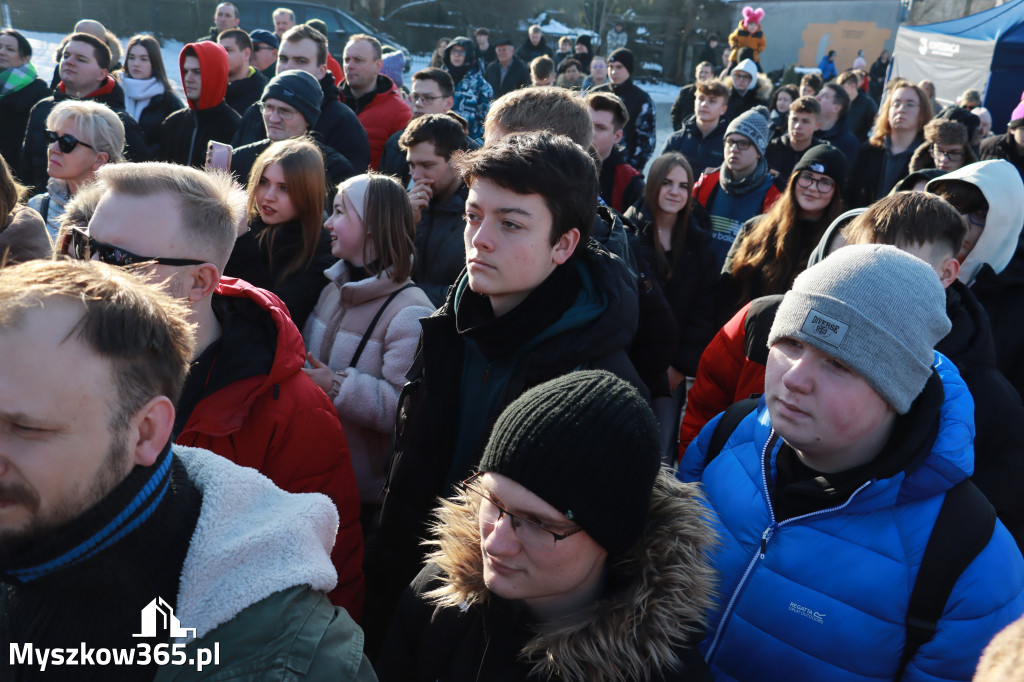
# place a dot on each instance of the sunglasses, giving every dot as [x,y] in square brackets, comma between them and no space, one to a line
[66,143]
[85,247]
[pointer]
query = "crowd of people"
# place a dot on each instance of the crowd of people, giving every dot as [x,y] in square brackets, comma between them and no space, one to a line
[456,378]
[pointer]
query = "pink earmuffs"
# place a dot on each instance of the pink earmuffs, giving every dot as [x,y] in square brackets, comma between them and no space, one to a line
[752,16]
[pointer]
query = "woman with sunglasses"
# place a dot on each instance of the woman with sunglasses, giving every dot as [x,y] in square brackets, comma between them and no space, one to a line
[148,95]
[82,136]
[362,335]
[570,556]
[284,249]
[675,240]
[772,249]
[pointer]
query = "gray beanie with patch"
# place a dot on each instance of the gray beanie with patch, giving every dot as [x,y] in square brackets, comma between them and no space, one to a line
[752,124]
[876,309]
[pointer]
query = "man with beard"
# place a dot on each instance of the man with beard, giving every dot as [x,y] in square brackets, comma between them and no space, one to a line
[102,519]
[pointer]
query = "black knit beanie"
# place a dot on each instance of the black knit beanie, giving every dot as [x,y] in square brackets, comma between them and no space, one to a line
[298,89]
[587,444]
[624,57]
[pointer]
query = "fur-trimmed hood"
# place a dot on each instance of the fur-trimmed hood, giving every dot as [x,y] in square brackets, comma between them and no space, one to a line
[663,589]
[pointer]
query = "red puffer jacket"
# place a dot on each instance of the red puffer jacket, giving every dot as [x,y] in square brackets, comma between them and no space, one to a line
[382,116]
[279,423]
[731,368]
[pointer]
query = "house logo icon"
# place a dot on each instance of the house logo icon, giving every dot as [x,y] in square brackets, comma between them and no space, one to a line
[158,616]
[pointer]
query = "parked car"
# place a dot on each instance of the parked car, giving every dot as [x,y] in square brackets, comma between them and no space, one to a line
[340,24]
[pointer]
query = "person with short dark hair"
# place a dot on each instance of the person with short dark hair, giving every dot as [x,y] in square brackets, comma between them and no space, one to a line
[245,83]
[835,104]
[822,504]
[778,107]
[483,45]
[542,71]
[522,312]
[827,66]
[683,107]
[946,146]
[860,116]
[438,197]
[432,93]
[593,592]
[621,184]
[570,75]
[784,151]
[20,88]
[507,72]
[96,354]
[702,135]
[84,74]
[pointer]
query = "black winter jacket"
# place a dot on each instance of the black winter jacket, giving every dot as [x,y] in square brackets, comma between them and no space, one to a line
[998,451]
[14,111]
[1002,296]
[392,160]
[338,125]
[1001,147]
[185,134]
[245,92]
[426,431]
[440,251]
[690,291]
[517,76]
[33,150]
[866,174]
[251,260]
[158,109]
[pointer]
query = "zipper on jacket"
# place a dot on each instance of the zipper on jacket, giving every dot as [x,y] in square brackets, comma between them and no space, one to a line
[766,536]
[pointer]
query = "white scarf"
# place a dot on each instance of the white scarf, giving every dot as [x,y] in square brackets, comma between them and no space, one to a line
[138,92]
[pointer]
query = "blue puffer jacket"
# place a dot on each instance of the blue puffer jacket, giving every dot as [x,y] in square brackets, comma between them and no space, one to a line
[824,596]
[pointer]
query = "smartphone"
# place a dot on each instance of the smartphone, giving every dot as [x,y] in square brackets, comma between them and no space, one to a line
[218,156]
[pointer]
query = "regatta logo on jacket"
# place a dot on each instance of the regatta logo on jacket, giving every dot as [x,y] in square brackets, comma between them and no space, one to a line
[828,329]
[807,613]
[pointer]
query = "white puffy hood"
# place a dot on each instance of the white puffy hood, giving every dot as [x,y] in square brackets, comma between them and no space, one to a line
[1001,184]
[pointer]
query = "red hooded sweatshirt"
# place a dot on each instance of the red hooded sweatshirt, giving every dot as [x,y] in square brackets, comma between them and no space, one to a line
[213,65]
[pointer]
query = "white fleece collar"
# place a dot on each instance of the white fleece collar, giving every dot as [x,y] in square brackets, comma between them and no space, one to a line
[252,540]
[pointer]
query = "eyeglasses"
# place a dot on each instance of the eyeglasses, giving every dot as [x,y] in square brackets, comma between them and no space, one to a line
[66,143]
[261,48]
[282,113]
[530,533]
[823,184]
[952,156]
[742,145]
[84,247]
[426,99]
[978,218]
[742,76]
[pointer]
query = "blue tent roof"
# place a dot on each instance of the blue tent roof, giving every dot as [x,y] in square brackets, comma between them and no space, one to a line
[1003,25]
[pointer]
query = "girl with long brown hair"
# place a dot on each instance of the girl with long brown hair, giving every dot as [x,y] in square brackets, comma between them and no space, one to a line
[675,240]
[148,95]
[284,250]
[772,249]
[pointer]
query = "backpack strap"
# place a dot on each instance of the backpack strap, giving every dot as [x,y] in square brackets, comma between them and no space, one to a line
[373,323]
[731,418]
[963,528]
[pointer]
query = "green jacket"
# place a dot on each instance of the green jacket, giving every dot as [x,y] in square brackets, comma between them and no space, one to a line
[295,634]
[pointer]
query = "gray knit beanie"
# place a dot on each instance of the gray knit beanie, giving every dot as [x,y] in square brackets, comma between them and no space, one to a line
[298,89]
[587,444]
[752,124]
[875,308]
